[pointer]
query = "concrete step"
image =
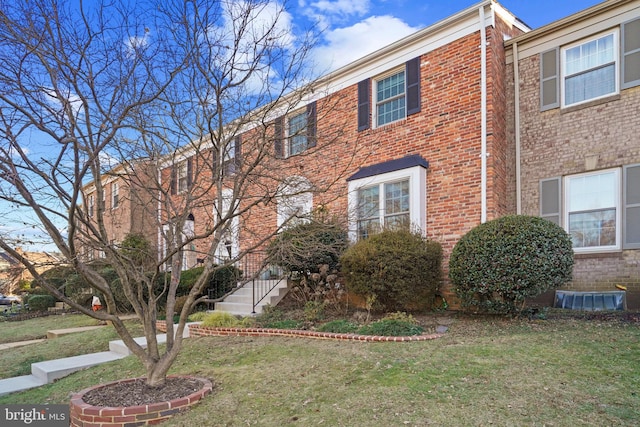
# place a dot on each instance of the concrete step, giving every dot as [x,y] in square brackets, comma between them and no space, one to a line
[49,371]
[15,384]
[119,347]
[241,301]
[56,333]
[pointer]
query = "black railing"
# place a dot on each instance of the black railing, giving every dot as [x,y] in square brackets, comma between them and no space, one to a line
[262,276]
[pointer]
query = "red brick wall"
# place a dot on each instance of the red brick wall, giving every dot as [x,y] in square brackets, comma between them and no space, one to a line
[447,133]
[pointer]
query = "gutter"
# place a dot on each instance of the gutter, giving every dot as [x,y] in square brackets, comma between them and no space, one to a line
[483,116]
[516,104]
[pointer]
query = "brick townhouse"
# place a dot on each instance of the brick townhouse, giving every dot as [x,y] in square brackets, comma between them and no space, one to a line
[126,205]
[574,125]
[431,131]
[422,141]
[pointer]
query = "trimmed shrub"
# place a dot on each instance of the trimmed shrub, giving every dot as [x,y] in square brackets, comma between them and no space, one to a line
[198,316]
[40,302]
[396,269]
[307,246]
[220,319]
[339,326]
[498,264]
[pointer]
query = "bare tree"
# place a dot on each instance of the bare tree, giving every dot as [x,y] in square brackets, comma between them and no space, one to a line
[183,102]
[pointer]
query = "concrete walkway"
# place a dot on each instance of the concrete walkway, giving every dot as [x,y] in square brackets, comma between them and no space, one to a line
[47,372]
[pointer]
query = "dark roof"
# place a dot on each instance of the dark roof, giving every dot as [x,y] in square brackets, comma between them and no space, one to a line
[8,258]
[390,166]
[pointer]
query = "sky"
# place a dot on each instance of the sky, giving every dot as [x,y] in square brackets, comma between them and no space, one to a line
[354,28]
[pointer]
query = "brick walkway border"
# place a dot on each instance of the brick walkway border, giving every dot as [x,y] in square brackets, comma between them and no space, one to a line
[203,331]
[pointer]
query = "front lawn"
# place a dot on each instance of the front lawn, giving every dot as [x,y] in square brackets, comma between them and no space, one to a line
[566,371]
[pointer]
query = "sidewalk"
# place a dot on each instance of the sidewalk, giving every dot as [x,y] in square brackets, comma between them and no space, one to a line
[47,372]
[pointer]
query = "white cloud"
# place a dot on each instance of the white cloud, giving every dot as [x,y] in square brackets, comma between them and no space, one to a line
[258,26]
[327,12]
[344,45]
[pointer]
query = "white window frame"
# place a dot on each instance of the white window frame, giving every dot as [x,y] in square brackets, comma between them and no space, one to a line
[115,199]
[294,198]
[417,177]
[233,232]
[377,102]
[300,133]
[616,61]
[566,185]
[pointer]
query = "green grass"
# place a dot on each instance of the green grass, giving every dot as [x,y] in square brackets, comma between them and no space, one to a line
[561,372]
[17,361]
[37,328]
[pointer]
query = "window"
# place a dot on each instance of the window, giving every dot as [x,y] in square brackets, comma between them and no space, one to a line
[390,100]
[297,134]
[593,209]
[114,195]
[590,69]
[183,176]
[396,96]
[385,204]
[600,209]
[390,194]
[232,156]
[301,132]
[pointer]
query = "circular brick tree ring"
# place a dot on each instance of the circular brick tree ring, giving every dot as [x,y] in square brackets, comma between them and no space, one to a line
[84,414]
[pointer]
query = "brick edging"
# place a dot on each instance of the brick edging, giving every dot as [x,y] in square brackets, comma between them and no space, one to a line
[84,414]
[204,331]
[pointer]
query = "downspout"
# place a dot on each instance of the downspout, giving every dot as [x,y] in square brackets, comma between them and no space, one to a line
[483,117]
[516,103]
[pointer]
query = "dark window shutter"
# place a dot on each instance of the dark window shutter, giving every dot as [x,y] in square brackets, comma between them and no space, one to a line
[550,79]
[311,124]
[413,86]
[631,207]
[174,180]
[215,164]
[277,138]
[630,54]
[550,199]
[189,172]
[238,150]
[364,100]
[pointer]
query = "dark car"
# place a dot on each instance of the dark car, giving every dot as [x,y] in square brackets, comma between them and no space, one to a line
[8,300]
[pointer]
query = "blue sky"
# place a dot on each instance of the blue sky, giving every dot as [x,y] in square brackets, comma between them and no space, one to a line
[358,27]
[354,28]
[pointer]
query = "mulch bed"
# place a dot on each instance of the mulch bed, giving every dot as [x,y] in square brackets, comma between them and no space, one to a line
[135,393]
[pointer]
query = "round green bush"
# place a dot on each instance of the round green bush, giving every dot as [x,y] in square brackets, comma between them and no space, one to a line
[396,269]
[498,264]
[40,302]
[306,246]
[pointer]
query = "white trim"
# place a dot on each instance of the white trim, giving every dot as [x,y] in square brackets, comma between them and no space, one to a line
[417,177]
[566,194]
[295,190]
[374,95]
[616,59]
